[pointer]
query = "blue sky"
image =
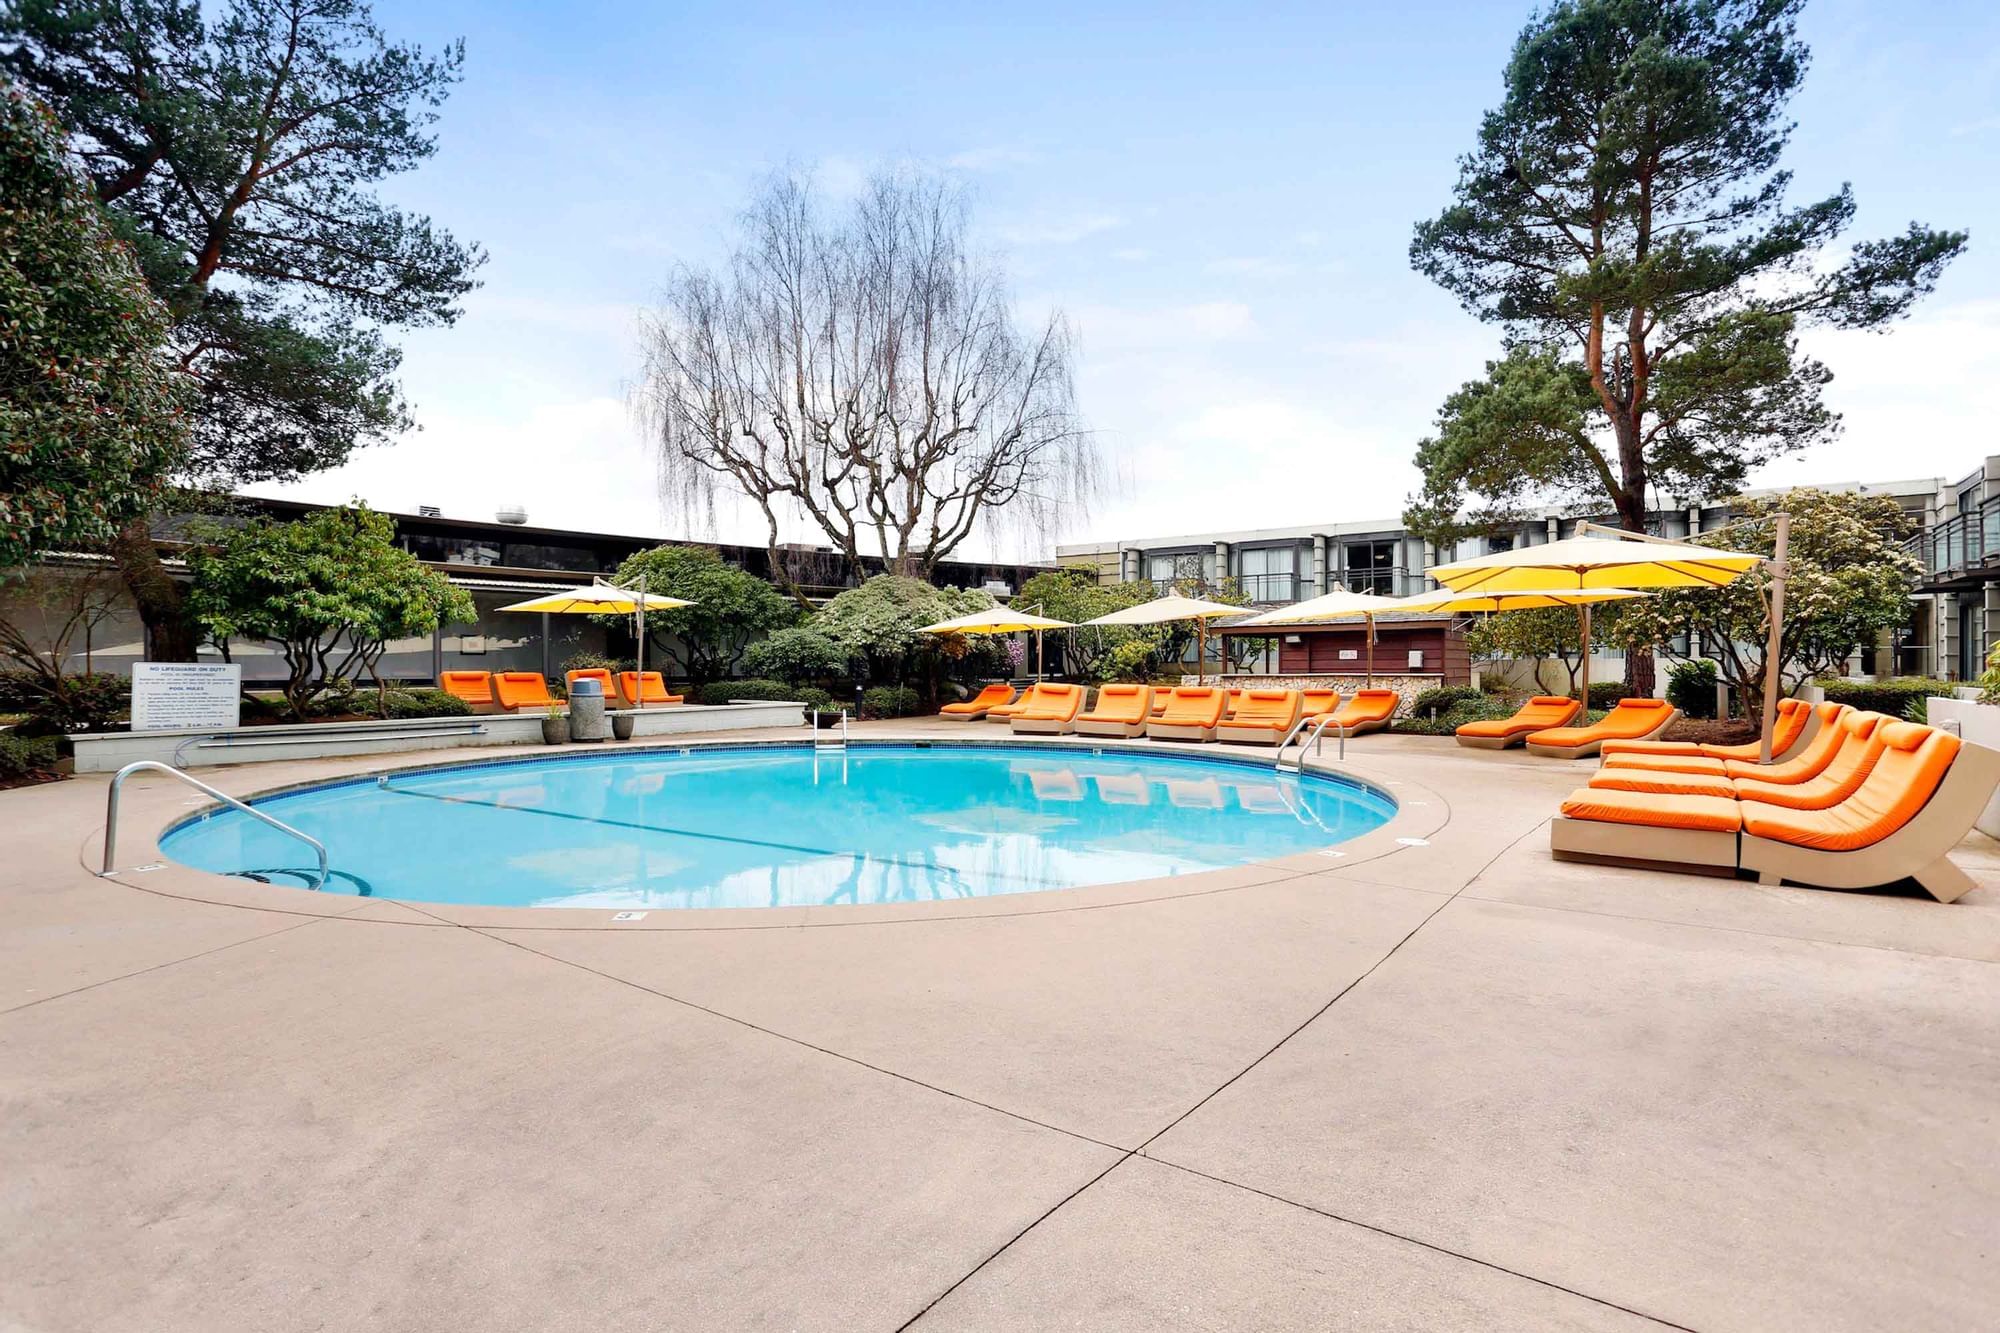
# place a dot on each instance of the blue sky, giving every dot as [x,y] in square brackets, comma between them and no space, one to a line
[1221,204]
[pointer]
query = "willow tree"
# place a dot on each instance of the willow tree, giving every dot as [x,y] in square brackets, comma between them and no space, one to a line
[1624,221]
[862,371]
[238,150]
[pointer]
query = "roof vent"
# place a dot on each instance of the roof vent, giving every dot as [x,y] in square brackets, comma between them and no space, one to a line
[429,511]
[512,515]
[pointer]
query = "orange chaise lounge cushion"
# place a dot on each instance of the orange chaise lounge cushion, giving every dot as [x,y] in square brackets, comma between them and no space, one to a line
[1051,703]
[1807,763]
[1125,705]
[1040,695]
[1862,745]
[1713,814]
[1368,706]
[521,689]
[655,685]
[601,675]
[1197,706]
[475,687]
[1539,714]
[1792,715]
[1913,763]
[990,697]
[1266,710]
[1318,703]
[1662,783]
[1802,773]
[1632,717]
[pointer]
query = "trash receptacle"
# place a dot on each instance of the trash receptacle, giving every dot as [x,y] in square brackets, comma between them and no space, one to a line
[587,721]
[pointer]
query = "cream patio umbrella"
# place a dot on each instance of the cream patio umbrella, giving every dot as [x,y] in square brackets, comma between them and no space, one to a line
[1000,620]
[598,599]
[1638,561]
[1172,607]
[1526,599]
[1339,604]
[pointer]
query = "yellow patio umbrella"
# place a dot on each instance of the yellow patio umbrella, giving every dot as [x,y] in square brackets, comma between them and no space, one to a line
[598,599]
[1525,599]
[1339,604]
[1000,620]
[1172,607]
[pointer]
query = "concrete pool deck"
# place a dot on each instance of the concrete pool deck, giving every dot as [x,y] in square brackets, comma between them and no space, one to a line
[1454,1085]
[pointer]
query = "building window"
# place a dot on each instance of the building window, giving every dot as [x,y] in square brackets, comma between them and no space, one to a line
[1371,568]
[1269,573]
[1191,568]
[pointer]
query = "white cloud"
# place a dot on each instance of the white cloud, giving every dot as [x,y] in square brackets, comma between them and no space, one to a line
[1117,331]
[992,157]
[1059,229]
[1132,254]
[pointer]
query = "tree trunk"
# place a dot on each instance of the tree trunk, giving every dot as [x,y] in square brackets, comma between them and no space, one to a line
[1639,671]
[162,601]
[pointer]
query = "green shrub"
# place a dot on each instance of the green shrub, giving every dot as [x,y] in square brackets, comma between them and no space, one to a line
[891,701]
[1439,698]
[1478,708]
[1892,696]
[1605,693]
[594,662]
[798,653]
[1691,687]
[426,702]
[1918,709]
[83,703]
[22,755]
[723,691]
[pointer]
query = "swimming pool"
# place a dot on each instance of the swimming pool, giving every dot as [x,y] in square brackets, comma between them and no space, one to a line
[781,826]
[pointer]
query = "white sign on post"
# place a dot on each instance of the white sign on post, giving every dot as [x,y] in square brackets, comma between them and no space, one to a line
[174,696]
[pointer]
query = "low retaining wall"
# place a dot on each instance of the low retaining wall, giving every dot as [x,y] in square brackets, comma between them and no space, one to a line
[109,751]
[1407,685]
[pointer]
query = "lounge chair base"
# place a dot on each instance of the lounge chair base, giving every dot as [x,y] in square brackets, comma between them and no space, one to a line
[1045,726]
[1171,731]
[1249,735]
[1704,851]
[1492,742]
[1584,751]
[1363,728]
[980,716]
[1121,730]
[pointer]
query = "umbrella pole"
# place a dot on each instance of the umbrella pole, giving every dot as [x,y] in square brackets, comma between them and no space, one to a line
[1201,651]
[1371,652]
[639,625]
[1038,657]
[1773,644]
[1583,619]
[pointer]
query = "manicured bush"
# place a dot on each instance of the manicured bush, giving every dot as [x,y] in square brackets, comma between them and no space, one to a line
[797,653]
[426,702]
[1479,708]
[1892,696]
[723,691]
[1439,698]
[1691,687]
[23,755]
[891,701]
[81,703]
[1605,693]
[593,662]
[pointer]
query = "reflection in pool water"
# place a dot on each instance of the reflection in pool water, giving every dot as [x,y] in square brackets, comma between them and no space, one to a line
[776,827]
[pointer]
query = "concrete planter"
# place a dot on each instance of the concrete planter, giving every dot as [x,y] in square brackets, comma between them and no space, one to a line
[555,730]
[1975,722]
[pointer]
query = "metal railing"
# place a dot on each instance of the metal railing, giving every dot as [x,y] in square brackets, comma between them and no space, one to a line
[118,783]
[1318,738]
[1960,542]
[1265,589]
[819,744]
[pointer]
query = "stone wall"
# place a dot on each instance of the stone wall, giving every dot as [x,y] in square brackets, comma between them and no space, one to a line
[1408,686]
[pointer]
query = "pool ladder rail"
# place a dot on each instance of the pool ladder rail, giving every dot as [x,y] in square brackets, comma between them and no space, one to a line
[118,783]
[820,739]
[1315,742]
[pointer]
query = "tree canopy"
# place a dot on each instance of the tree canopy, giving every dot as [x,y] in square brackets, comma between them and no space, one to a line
[865,373]
[1075,595]
[239,151]
[1848,580]
[878,623]
[330,590]
[92,411]
[704,642]
[1624,220]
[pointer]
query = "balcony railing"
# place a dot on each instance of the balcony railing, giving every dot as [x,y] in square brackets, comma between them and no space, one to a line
[1273,589]
[1961,544]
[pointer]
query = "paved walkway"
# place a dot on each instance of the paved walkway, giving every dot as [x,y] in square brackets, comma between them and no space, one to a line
[1459,1085]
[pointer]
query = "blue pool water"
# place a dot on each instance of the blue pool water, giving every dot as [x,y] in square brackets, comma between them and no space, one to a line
[779,826]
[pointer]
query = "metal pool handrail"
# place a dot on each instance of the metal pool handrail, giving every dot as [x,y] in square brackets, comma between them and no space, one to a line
[1318,738]
[118,781]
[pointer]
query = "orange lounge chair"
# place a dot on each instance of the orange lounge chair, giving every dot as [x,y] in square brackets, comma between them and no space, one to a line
[474,687]
[516,690]
[1541,713]
[1368,710]
[1162,695]
[1192,714]
[1120,710]
[1825,775]
[1318,703]
[1816,753]
[1796,723]
[1262,717]
[1235,702]
[630,683]
[598,674]
[1051,712]
[1630,720]
[971,710]
[1036,695]
[1923,795]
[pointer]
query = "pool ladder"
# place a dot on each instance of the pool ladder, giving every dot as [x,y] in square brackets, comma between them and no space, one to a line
[820,740]
[118,783]
[1314,742]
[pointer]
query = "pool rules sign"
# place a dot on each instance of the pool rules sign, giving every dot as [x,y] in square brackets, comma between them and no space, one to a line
[176,696]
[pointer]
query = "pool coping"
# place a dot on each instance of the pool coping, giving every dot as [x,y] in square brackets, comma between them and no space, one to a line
[1419,813]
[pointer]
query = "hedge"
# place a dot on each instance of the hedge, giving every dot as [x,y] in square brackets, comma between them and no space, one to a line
[1480,708]
[891,701]
[1439,698]
[22,755]
[1892,696]
[1605,693]
[761,691]
[1691,687]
